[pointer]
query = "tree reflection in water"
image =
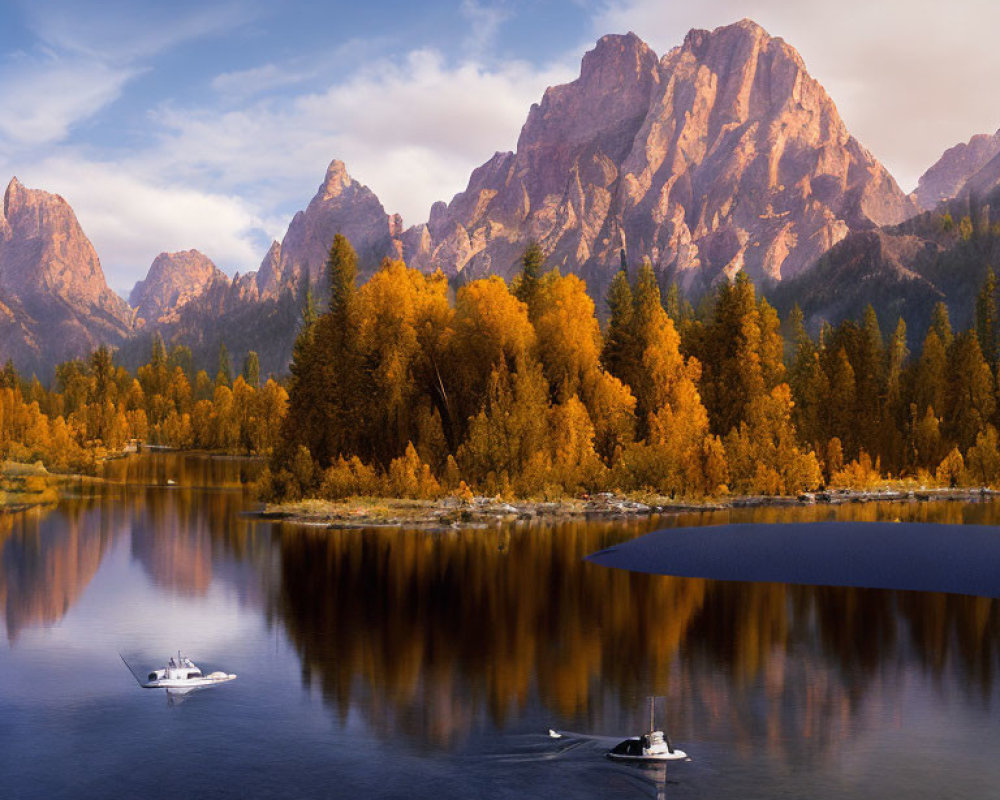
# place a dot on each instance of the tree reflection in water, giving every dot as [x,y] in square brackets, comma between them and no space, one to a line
[438,636]
[435,634]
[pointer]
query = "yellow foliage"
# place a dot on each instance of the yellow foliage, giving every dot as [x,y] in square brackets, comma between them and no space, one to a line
[411,477]
[569,338]
[949,471]
[612,411]
[764,446]
[452,477]
[860,474]
[349,478]
[982,461]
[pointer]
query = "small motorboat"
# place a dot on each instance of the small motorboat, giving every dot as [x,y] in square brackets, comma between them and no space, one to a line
[180,673]
[652,746]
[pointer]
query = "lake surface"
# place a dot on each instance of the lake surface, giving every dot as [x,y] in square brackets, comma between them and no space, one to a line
[387,663]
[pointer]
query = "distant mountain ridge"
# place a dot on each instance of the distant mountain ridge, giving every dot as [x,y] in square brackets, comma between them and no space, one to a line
[904,270]
[723,155]
[948,176]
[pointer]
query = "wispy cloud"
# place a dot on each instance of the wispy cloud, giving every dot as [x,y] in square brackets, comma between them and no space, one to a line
[412,129]
[223,173]
[83,57]
[43,96]
[242,84]
[131,216]
[224,182]
[483,26]
[122,31]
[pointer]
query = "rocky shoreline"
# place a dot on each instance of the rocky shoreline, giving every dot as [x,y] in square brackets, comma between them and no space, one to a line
[452,513]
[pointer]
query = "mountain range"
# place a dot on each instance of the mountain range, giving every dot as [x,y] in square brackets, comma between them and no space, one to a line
[722,155]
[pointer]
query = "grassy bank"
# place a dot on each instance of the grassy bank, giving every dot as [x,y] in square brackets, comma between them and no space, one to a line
[26,485]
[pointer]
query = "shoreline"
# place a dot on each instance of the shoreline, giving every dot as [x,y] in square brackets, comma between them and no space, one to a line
[452,513]
[26,486]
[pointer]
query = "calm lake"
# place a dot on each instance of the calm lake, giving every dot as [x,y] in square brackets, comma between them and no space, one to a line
[389,663]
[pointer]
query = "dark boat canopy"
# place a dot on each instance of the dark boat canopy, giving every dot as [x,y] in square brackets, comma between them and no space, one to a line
[630,747]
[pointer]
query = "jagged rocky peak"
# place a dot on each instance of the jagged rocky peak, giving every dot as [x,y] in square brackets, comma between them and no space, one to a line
[946,177]
[337,179]
[173,280]
[5,232]
[615,82]
[52,283]
[269,271]
[340,205]
[723,155]
[46,250]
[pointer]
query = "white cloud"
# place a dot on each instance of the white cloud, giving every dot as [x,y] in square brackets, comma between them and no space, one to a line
[130,218]
[412,130]
[242,84]
[83,58]
[42,98]
[483,25]
[224,179]
[910,77]
[126,31]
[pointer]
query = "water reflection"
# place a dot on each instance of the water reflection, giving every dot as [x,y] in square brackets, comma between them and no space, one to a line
[178,534]
[183,469]
[437,632]
[440,639]
[46,564]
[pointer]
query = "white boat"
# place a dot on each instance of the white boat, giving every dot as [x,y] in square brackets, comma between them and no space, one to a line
[652,746]
[181,673]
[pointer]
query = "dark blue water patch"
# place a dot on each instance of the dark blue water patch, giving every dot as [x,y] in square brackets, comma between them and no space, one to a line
[958,559]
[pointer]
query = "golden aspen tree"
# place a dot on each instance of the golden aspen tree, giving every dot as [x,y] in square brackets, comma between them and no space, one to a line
[763,455]
[982,462]
[404,315]
[490,331]
[511,428]
[970,395]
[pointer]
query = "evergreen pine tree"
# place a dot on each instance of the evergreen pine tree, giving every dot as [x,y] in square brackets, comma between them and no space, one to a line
[224,375]
[618,355]
[941,324]
[251,369]
[532,267]
[986,317]
[970,391]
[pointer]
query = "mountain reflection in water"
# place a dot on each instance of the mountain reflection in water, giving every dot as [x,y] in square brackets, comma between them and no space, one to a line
[456,642]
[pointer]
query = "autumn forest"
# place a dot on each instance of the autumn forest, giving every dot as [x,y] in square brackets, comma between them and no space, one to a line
[407,387]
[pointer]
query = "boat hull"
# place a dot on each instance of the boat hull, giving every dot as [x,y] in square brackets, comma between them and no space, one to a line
[187,683]
[677,755]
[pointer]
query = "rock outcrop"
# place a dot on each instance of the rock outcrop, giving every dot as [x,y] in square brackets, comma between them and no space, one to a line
[341,205]
[173,280]
[723,155]
[56,302]
[946,178]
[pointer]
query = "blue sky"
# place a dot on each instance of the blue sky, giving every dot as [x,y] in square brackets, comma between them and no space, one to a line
[208,124]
